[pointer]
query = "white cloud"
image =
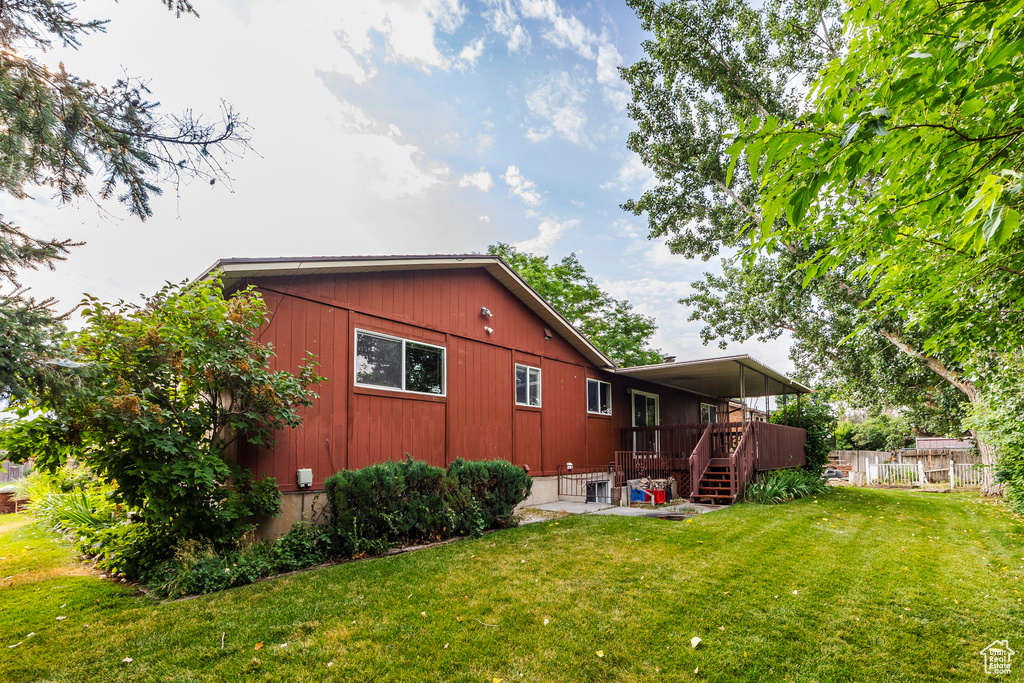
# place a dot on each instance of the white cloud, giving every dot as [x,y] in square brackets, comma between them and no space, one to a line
[485,219]
[483,143]
[470,53]
[559,100]
[521,186]
[563,31]
[627,228]
[408,29]
[568,32]
[505,21]
[548,232]
[481,180]
[632,175]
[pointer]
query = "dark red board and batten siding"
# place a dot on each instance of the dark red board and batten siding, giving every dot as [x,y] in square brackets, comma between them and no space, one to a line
[350,427]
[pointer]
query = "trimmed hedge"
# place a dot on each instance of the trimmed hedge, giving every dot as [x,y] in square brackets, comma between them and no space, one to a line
[410,501]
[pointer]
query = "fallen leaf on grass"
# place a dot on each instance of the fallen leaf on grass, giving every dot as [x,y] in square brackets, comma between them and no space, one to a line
[330,664]
[61,618]
[600,653]
[11,647]
[127,660]
[446,646]
[458,618]
[796,592]
[423,615]
[694,642]
[259,645]
[546,621]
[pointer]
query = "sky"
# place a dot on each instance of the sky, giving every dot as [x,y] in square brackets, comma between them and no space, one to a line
[384,127]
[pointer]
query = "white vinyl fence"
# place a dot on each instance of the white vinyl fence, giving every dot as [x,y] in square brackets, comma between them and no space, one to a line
[914,474]
[966,474]
[897,473]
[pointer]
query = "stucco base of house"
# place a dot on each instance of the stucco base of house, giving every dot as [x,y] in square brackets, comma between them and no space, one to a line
[295,506]
[545,490]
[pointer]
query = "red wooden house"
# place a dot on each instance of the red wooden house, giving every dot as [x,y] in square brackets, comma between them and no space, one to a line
[446,357]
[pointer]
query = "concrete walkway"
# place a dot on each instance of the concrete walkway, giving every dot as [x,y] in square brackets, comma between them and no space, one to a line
[577,508]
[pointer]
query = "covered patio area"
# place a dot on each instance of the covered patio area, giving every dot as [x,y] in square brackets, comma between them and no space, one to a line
[712,461]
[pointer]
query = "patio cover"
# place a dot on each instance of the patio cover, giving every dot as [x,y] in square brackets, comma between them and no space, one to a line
[720,378]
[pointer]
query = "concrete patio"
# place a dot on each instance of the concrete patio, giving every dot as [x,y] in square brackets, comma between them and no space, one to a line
[578,508]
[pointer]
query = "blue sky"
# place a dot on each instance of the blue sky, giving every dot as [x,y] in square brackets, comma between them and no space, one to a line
[386,127]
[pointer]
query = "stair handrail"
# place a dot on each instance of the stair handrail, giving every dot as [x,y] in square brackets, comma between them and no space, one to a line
[741,462]
[700,460]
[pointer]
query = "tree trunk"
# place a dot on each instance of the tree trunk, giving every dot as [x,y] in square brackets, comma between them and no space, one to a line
[989,487]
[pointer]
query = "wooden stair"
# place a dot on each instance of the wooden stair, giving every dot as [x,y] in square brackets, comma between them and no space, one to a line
[716,484]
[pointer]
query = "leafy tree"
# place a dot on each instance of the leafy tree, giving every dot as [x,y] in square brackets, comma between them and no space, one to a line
[624,336]
[60,131]
[711,66]
[160,395]
[905,176]
[997,420]
[879,432]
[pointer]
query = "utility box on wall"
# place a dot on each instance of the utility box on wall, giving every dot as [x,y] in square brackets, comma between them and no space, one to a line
[304,478]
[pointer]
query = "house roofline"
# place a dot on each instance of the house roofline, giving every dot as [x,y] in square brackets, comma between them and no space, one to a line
[234,270]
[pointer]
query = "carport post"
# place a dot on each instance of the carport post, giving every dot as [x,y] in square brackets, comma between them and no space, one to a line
[743,395]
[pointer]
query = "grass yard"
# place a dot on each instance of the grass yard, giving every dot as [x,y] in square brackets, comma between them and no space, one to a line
[859,584]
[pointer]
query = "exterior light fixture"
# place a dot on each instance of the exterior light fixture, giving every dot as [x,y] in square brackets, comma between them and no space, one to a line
[488,330]
[548,334]
[485,312]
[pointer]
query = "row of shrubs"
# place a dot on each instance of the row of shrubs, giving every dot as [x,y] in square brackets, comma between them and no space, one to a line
[368,511]
[778,486]
[407,502]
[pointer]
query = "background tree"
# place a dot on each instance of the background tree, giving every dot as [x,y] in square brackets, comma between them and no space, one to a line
[908,167]
[624,336]
[159,397]
[61,132]
[711,66]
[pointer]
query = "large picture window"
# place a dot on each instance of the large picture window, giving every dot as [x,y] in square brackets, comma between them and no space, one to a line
[384,362]
[599,397]
[527,386]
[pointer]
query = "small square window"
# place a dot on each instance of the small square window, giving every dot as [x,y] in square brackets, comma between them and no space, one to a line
[599,397]
[527,386]
[708,413]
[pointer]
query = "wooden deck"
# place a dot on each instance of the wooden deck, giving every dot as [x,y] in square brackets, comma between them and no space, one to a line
[713,462]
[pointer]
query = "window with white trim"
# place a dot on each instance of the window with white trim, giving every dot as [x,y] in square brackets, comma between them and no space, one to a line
[384,362]
[599,397]
[708,413]
[527,386]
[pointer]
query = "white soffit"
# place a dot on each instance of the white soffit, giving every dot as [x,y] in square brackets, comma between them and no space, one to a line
[719,377]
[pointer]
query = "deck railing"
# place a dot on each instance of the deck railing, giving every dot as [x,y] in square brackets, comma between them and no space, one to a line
[748,448]
[699,460]
[743,461]
[779,446]
[675,440]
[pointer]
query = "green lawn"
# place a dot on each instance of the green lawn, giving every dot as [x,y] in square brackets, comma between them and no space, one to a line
[856,585]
